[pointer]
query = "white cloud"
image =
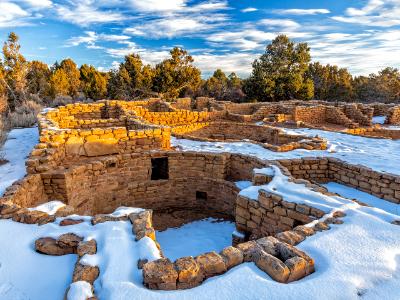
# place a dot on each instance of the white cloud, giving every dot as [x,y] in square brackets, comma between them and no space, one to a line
[249,9]
[247,39]
[36,4]
[158,5]
[281,23]
[375,13]
[91,38]
[85,12]
[174,26]
[12,15]
[297,11]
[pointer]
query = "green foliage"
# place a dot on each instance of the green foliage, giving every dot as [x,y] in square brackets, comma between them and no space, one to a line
[94,83]
[16,68]
[38,78]
[176,74]
[280,73]
[132,79]
[71,70]
[59,83]
[331,82]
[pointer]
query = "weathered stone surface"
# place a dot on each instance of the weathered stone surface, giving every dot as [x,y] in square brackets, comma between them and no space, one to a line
[290,237]
[211,264]
[68,222]
[250,250]
[69,240]
[273,267]
[160,275]
[101,147]
[287,251]
[304,230]
[141,263]
[189,273]
[50,246]
[64,211]
[85,273]
[89,247]
[107,218]
[396,222]
[232,256]
[298,268]
[321,226]
[268,244]
[339,214]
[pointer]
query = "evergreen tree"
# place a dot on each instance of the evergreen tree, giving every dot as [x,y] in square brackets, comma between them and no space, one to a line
[176,74]
[94,83]
[15,67]
[279,74]
[38,78]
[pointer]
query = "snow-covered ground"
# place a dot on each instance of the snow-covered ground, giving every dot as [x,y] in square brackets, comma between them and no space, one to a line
[378,119]
[19,144]
[378,154]
[358,259]
[196,238]
[368,199]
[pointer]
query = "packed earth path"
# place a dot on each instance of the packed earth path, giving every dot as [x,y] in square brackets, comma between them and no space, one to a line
[360,258]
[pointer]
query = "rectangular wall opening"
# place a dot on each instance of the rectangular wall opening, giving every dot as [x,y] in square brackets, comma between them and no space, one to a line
[201,196]
[159,168]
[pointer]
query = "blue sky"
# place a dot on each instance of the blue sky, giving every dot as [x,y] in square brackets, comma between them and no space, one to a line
[361,35]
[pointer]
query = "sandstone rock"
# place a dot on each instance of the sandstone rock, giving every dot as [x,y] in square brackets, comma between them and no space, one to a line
[250,250]
[64,211]
[287,251]
[32,217]
[268,244]
[141,263]
[321,226]
[69,240]
[297,267]
[50,246]
[211,264]
[89,247]
[333,221]
[101,147]
[304,230]
[73,145]
[189,273]
[339,214]
[160,275]
[232,256]
[7,209]
[68,222]
[85,273]
[273,267]
[107,218]
[290,237]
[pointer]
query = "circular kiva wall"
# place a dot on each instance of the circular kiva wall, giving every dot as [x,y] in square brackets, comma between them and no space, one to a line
[162,181]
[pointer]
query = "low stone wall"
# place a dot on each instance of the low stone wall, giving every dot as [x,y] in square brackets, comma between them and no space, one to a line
[310,115]
[269,137]
[376,132]
[27,192]
[393,116]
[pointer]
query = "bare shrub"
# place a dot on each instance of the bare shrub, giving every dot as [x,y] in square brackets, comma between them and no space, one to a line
[25,114]
[4,127]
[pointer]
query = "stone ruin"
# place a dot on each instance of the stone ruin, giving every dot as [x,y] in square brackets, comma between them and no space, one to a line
[98,157]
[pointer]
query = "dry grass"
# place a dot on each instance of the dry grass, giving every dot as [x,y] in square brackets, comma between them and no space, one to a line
[4,127]
[25,115]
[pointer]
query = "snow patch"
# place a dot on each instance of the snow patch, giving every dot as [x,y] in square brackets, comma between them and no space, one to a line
[50,207]
[79,290]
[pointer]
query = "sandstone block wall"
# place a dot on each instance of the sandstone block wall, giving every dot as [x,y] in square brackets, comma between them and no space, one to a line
[393,116]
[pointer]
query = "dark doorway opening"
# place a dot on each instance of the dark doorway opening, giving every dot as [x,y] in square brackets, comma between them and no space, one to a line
[159,168]
[201,196]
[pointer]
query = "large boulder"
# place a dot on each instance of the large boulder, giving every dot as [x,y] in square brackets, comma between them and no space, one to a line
[89,247]
[69,240]
[211,264]
[49,246]
[189,273]
[273,266]
[160,275]
[85,273]
[232,256]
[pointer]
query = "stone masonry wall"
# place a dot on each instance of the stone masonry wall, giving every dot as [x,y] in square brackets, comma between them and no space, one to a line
[393,116]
